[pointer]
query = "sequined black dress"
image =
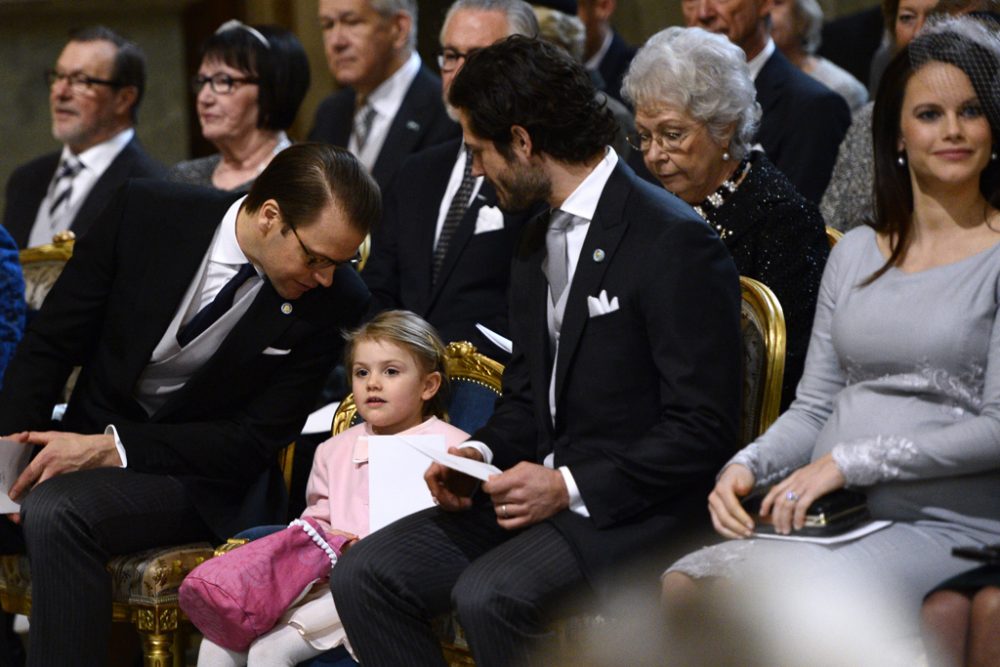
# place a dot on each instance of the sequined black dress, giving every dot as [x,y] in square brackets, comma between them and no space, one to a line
[777,236]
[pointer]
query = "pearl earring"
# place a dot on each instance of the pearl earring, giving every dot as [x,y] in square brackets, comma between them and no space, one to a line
[901,160]
[993,156]
[726,156]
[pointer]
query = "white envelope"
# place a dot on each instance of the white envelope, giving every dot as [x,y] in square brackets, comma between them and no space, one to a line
[490,219]
[600,305]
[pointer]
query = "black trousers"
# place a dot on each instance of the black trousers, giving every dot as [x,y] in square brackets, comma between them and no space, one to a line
[71,525]
[501,583]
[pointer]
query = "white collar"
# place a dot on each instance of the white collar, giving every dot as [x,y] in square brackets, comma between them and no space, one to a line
[98,158]
[387,98]
[595,60]
[226,248]
[582,202]
[756,64]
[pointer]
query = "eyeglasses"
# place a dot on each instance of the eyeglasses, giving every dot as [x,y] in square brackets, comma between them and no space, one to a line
[450,59]
[668,141]
[318,262]
[221,84]
[78,82]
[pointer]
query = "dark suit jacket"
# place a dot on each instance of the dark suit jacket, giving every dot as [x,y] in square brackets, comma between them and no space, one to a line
[802,125]
[222,431]
[647,397]
[27,186]
[420,122]
[472,286]
[614,65]
[851,41]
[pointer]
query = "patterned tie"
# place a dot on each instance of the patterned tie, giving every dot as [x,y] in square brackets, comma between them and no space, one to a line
[456,211]
[222,302]
[363,125]
[63,183]
[557,261]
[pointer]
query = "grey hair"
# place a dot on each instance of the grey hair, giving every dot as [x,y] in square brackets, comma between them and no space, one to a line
[389,7]
[564,30]
[807,18]
[704,74]
[520,17]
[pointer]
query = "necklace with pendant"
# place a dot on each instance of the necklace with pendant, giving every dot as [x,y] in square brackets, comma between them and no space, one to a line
[715,200]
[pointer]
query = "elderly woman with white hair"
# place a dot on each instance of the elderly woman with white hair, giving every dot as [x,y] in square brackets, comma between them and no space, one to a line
[695,115]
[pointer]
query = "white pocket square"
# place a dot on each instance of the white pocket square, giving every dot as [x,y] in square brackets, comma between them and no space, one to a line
[599,305]
[490,219]
[276,351]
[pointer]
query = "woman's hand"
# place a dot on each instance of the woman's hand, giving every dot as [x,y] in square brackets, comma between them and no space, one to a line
[788,500]
[728,516]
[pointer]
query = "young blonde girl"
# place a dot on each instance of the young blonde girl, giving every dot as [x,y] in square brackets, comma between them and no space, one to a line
[396,365]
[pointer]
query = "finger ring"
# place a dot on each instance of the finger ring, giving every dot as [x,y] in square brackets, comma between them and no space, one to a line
[503,510]
[791,496]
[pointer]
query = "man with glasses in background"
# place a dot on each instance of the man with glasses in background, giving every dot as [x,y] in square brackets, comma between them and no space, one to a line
[443,249]
[389,105]
[204,323]
[94,94]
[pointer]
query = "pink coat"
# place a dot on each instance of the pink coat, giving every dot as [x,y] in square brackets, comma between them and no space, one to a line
[337,492]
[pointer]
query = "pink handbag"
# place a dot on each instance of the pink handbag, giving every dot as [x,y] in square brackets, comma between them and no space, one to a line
[235,598]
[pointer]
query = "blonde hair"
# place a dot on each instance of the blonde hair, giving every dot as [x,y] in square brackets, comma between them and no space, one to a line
[415,335]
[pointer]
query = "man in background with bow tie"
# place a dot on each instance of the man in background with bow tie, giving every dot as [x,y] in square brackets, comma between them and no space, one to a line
[443,248]
[94,94]
[620,402]
[389,105]
[204,323]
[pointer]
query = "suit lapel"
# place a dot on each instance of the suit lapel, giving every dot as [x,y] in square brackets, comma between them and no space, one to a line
[407,127]
[536,345]
[466,230]
[605,233]
[19,224]
[770,80]
[104,188]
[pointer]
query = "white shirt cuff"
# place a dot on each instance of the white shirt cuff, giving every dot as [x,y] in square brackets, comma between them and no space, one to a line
[112,431]
[480,447]
[576,503]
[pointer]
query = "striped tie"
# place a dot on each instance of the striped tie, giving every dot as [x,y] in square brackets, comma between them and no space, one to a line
[63,183]
[363,125]
[456,211]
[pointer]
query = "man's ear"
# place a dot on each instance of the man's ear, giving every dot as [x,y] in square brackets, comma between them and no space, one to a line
[402,26]
[269,217]
[124,100]
[520,140]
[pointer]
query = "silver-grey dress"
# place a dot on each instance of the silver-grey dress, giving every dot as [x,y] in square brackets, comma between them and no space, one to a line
[902,385]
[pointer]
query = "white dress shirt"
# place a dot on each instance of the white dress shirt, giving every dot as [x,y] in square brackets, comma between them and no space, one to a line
[756,64]
[95,161]
[455,182]
[386,100]
[595,60]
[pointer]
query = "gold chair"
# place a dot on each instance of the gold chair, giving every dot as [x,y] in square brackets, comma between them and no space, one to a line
[42,265]
[833,235]
[762,325]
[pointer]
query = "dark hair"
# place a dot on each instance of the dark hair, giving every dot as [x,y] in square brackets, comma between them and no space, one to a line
[534,84]
[415,335]
[129,69]
[304,178]
[893,189]
[281,67]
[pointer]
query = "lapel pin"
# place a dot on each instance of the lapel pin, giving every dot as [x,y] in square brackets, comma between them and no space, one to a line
[286,308]
[599,255]
[413,125]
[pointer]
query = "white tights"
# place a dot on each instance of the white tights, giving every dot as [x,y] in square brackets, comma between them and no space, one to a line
[280,647]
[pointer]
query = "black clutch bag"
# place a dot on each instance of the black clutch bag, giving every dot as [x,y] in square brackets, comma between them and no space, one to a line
[835,513]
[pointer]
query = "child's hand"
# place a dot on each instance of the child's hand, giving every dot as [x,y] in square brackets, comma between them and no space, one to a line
[452,490]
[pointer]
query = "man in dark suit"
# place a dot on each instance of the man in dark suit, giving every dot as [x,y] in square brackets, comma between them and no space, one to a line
[390,104]
[620,402]
[803,121]
[443,249]
[94,95]
[604,49]
[204,324]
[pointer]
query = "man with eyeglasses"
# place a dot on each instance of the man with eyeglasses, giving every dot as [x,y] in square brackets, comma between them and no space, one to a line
[95,90]
[443,249]
[205,323]
[389,105]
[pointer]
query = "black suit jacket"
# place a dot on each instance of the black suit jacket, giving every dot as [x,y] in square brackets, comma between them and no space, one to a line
[473,283]
[647,397]
[420,122]
[851,41]
[219,434]
[614,65]
[27,186]
[802,125]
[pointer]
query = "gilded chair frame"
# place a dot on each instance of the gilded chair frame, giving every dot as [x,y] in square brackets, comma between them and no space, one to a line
[765,309]
[833,235]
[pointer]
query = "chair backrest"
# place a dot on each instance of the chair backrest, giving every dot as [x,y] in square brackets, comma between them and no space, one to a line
[475,386]
[833,235]
[762,324]
[42,266]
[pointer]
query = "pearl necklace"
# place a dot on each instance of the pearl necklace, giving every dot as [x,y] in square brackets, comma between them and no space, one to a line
[715,200]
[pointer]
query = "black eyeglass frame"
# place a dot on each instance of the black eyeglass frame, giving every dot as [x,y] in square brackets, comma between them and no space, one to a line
[455,56]
[319,262]
[78,80]
[221,83]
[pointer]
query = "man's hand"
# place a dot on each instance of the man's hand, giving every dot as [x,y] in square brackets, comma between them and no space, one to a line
[62,453]
[527,494]
[451,489]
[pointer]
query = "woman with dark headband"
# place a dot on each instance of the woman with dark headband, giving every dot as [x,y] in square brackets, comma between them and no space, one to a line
[900,397]
[249,86]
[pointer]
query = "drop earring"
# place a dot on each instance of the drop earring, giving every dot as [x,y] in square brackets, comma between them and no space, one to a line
[901,160]
[993,155]
[726,157]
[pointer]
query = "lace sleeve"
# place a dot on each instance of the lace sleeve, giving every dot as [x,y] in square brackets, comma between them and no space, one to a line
[871,460]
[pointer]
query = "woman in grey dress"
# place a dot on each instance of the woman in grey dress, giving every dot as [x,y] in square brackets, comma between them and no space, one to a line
[248,89]
[901,391]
